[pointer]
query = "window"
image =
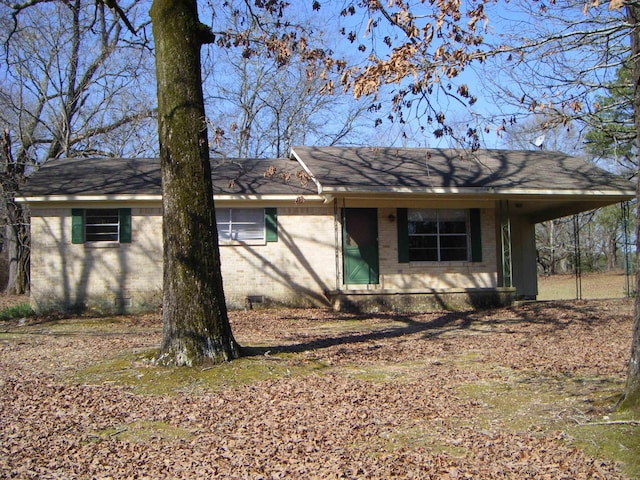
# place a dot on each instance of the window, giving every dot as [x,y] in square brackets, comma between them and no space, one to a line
[246,225]
[439,235]
[101,225]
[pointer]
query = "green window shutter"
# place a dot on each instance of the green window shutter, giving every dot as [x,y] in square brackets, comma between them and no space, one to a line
[402,223]
[77,225]
[125,225]
[476,235]
[271,224]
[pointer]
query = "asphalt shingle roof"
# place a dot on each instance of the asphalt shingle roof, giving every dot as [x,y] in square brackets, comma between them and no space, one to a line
[142,176]
[367,168]
[342,169]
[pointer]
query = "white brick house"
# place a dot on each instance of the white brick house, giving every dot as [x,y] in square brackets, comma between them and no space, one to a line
[343,227]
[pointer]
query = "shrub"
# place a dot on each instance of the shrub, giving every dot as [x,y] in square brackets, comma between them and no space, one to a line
[17,311]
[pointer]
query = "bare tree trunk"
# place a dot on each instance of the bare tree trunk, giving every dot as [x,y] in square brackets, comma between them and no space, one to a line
[196,327]
[631,399]
[19,252]
[14,218]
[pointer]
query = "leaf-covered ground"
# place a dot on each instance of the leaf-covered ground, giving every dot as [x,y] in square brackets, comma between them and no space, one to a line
[508,393]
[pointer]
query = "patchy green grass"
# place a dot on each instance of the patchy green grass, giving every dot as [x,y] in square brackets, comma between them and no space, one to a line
[546,403]
[84,326]
[407,371]
[468,397]
[616,437]
[137,372]
[516,401]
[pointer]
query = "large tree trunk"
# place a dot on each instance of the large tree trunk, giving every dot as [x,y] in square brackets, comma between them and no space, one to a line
[14,218]
[19,251]
[631,398]
[196,327]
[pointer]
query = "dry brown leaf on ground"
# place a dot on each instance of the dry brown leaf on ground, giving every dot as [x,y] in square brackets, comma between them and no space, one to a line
[389,396]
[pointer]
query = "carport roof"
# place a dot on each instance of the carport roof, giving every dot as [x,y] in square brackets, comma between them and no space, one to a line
[422,169]
[544,184]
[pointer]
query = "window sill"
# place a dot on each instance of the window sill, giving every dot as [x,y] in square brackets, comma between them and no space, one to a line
[102,245]
[436,263]
[236,243]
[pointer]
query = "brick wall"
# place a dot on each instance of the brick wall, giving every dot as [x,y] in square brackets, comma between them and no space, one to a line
[296,270]
[425,277]
[126,276]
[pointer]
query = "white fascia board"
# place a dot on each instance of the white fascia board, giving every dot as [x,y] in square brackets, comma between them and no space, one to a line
[308,171]
[467,191]
[88,198]
[158,198]
[269,198]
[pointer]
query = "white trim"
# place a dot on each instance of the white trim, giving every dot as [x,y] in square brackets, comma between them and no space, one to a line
[269,197]
[158,198]
[486,191]
[90,198]
[308,171]
[326,195]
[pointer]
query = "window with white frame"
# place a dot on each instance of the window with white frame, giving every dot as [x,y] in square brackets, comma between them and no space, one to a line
[438,235]
[244,225]
[101,225]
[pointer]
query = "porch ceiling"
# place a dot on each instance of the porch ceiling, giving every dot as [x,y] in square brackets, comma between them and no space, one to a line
[537,211]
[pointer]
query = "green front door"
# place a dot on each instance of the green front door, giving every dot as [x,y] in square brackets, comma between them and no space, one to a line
[360,246]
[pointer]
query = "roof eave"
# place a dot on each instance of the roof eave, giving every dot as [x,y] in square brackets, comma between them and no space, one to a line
[89,198]
[158,198]
[475,192]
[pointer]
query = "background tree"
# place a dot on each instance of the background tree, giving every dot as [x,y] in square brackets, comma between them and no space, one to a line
[558,60]
[264,108]
[74,85]
[271,109]
[611,132]
[602,234]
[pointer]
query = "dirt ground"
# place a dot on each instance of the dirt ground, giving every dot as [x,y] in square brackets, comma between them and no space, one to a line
[508,393]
